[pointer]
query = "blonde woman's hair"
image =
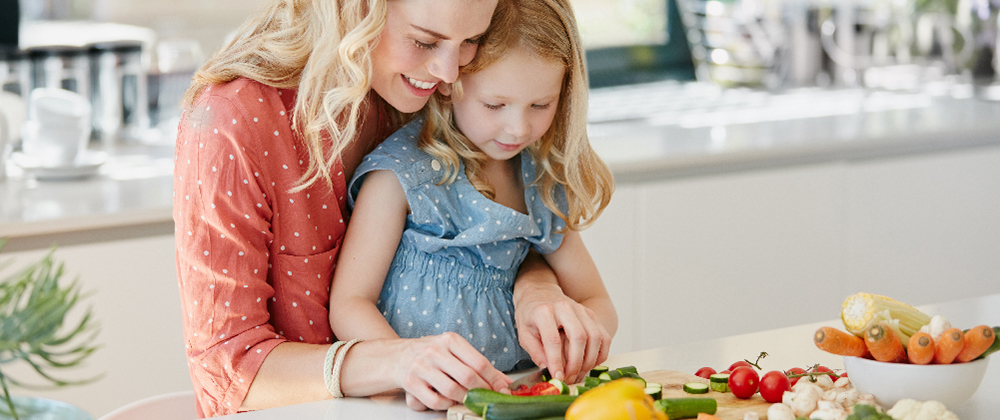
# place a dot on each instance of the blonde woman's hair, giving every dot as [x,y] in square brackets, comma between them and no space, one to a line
[321,47]
[547,29]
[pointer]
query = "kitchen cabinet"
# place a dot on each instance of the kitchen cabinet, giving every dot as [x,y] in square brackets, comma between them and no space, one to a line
[717,255]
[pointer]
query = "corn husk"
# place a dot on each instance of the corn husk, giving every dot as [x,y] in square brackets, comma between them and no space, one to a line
[862,310]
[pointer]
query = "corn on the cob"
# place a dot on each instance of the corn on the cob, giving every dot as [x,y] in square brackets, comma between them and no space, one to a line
[862,310]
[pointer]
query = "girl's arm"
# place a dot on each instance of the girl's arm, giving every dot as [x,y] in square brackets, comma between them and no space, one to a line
[586,343]
[369,246]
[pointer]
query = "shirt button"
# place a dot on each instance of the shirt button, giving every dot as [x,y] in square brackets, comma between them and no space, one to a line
[435,165]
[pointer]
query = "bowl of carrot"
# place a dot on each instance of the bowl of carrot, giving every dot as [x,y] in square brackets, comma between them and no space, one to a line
[948,369]
[951,384]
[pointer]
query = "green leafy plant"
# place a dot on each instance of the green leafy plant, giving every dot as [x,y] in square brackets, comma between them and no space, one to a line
[33,309]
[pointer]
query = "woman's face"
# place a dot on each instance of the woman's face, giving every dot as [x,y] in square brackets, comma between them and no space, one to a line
[423,44]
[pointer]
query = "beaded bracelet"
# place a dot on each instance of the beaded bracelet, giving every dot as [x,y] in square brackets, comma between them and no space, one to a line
[331,369]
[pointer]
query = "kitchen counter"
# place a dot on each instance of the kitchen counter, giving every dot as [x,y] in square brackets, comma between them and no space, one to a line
[645,132]
[786,348]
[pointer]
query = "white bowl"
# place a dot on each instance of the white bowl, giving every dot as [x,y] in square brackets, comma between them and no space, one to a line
[950,384]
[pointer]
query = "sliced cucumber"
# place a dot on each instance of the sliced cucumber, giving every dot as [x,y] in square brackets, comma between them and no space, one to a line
[628,369]
[546,375]
[604,377]
[719,382]
[561,386]
[654,390]
[636,377]
[591,382]
[598,370]
[580,389]
[614,374]
[697,388]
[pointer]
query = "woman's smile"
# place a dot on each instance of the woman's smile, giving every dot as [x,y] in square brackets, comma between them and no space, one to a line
[418,87]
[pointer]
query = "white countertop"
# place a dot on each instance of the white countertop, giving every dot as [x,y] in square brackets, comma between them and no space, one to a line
[786,347]
[672,130]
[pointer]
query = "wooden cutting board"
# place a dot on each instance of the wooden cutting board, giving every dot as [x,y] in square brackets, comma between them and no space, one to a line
[730,407]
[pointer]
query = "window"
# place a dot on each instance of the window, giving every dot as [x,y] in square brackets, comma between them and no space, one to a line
[633,41]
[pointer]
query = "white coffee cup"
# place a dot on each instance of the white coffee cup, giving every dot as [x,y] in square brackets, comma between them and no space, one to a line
[58,129]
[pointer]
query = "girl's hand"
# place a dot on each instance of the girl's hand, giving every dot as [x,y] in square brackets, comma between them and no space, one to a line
[436,371]
[561,334]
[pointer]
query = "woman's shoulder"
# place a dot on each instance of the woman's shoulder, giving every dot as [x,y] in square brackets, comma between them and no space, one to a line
[249,96]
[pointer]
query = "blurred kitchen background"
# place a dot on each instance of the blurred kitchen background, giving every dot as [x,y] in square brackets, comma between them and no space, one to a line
[771,158]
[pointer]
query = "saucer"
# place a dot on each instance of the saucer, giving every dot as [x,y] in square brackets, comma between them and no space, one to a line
[86,165]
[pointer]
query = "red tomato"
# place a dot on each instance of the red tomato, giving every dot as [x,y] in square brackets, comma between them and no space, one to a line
[705,372]
[726,371]
[794,371]
[735,365]
[827,370]
[522,390]
[773,385]
[743,382]
[544,388]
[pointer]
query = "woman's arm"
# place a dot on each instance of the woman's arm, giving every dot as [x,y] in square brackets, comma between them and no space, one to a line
[368,249]
[554,326]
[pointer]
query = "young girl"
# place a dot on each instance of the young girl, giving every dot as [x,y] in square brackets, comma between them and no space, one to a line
[446,209]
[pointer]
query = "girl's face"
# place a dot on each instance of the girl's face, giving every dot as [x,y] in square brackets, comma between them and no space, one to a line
[510,104]
[423,44]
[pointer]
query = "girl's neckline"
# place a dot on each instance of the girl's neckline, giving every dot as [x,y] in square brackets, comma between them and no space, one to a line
[464,179]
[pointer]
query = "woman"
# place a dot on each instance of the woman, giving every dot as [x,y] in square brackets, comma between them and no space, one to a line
[275,124]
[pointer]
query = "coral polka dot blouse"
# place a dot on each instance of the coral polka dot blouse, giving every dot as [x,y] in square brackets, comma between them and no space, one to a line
[254,261]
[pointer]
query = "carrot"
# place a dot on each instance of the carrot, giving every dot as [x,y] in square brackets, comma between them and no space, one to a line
[920,350]
[884,345]
[977,340]
[706,416]
[840,342]
[948,346]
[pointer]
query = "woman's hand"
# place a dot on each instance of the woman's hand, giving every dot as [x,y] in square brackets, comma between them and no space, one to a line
[436,371]
[560,333]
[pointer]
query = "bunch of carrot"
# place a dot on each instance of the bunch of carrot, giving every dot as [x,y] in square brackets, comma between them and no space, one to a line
[882,344]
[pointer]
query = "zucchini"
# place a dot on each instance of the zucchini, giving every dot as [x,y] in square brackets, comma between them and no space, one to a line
[546,375]
[654,390]
[477,399]
[614,374]
[686,408]
[598,370]
[560,385]
[719,382]
[995,346]
[580,389]
[604,377]
[526,411]
[591,381]
[696,388]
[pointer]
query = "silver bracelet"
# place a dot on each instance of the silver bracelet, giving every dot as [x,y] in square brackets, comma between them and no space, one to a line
[332,365]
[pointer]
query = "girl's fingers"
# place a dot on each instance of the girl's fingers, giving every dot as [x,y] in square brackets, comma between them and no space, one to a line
[575,334]
[552,345]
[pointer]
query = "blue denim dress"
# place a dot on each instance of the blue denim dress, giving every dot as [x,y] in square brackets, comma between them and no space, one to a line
[455,266]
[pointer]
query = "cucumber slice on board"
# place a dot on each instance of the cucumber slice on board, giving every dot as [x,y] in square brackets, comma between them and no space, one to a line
[719,382]
[696,388]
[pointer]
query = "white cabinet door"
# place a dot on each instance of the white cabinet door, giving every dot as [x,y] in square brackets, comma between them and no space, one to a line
[925,228]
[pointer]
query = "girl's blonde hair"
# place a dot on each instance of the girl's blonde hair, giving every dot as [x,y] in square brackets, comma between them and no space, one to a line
[321,47]
[547,29]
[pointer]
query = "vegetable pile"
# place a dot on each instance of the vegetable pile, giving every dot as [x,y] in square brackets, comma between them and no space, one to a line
[606,394]
[887,330]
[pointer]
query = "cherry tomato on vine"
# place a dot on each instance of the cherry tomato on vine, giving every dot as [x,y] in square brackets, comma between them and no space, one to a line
[773,386]
[743,382]
[794,371]
[826,370]
[735,365]
[705,372]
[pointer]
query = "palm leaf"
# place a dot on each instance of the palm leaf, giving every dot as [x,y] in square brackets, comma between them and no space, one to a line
[33,330]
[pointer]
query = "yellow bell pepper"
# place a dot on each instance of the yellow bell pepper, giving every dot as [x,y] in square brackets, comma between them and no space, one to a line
[620,399]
